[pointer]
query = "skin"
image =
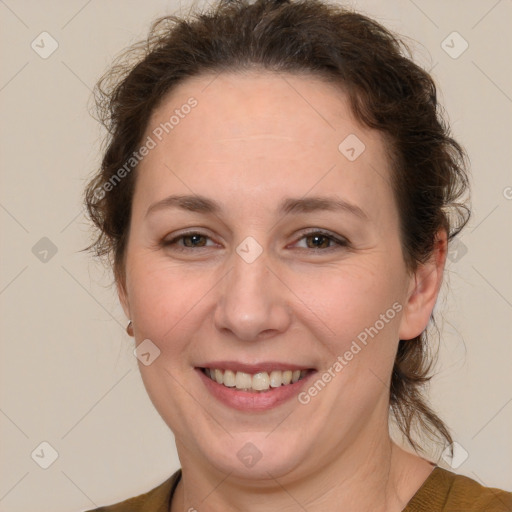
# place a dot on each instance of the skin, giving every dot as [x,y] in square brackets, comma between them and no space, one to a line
[252,140]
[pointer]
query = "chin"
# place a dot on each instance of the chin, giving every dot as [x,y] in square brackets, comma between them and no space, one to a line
[254,455]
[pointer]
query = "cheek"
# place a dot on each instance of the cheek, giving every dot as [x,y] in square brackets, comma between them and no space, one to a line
[337,304]
[348,299]
[165,301]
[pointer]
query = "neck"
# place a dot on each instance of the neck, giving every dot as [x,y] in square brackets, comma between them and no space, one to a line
[372,474]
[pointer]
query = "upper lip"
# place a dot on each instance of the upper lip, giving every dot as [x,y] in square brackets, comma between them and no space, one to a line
[267,366]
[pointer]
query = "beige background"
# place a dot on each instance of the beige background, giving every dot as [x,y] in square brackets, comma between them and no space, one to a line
[68,375]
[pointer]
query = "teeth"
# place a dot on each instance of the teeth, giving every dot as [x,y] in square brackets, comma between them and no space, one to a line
[218,376]
[228,379]
[243,380]
[261,381]
[287,377]
[276,378]
[258,382]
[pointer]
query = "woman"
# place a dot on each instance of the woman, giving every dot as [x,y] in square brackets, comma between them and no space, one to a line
[277,195]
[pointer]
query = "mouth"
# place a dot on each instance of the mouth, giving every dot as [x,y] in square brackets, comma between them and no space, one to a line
[258,382]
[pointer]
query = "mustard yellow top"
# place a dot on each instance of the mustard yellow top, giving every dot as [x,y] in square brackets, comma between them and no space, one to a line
[442,491]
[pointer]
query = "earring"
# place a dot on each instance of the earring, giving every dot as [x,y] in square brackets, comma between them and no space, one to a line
[129,328]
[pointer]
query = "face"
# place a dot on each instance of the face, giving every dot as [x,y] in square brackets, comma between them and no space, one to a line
[285,257]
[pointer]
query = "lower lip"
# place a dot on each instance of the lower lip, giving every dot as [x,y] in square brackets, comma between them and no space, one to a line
[248,401]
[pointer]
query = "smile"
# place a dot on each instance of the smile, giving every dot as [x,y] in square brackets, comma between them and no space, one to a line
[260,382]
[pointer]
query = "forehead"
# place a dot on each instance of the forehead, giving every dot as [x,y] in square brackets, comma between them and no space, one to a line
[259,106]
[258,130]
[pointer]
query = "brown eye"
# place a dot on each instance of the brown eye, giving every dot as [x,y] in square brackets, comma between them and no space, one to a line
[322,240]
[196,240]
[318,241]
[190,241]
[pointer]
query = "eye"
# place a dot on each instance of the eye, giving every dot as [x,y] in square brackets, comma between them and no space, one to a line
[323,240]
[191,240]
[317,240]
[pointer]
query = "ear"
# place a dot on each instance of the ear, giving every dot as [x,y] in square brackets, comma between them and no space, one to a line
[423,290]
[123,296]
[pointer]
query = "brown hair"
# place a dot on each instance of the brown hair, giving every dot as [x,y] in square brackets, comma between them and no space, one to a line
[386,90]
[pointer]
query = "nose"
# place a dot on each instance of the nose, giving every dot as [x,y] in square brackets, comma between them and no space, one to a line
[252,303]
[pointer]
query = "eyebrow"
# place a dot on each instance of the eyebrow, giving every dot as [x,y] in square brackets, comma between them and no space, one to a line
[201,204]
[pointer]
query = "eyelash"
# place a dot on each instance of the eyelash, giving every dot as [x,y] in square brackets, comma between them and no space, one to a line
[340,242]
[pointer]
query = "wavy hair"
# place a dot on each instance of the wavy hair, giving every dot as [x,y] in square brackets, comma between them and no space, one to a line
[387,91]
